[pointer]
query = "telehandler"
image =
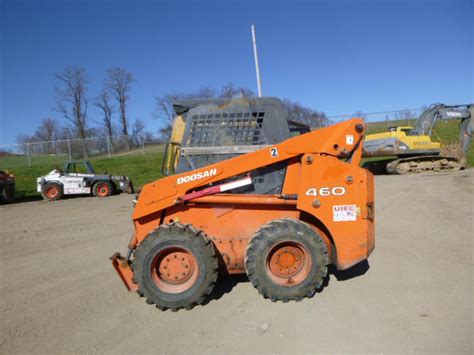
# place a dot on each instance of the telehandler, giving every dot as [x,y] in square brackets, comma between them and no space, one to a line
[79,178]
[281,214]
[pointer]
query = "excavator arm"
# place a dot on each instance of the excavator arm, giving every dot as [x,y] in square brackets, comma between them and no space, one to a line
[427,120]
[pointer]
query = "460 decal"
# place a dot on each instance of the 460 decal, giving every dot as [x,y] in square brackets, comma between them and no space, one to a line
[326,191]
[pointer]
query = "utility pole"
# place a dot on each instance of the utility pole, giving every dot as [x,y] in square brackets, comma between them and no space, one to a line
[255,55]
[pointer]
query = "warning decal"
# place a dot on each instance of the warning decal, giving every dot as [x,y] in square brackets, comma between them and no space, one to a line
[349,139]
[344,213]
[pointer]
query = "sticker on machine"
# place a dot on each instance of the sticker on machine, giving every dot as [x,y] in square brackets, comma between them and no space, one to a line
[349,139]
[344,213]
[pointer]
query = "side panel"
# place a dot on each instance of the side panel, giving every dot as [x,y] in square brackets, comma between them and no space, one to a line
[341,196]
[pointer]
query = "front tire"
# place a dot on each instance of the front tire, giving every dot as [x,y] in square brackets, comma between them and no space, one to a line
[286,260]
[102,189]
[52,191]
[175,267]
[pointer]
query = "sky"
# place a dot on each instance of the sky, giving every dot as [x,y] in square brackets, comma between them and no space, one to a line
[338,57]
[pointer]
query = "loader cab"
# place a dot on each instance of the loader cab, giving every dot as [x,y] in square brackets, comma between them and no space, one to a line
[208,131]
[78,167]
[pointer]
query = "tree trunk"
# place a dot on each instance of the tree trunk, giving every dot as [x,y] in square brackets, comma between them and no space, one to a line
[124,126]
[85,151]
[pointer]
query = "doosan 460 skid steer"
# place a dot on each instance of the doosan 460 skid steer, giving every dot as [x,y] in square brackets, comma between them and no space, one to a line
[219,218]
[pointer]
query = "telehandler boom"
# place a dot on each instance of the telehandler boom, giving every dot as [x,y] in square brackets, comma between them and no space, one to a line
[191,226]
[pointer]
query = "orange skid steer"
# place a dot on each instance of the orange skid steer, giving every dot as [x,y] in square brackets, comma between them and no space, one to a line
[190,227]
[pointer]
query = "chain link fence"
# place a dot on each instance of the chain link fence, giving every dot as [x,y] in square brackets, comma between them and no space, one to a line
[59,151]
[56,152]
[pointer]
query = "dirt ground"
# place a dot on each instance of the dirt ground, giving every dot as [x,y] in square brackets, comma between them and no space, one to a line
[59,293]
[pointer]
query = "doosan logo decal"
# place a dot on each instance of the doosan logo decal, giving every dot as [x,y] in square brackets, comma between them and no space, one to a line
[197,176]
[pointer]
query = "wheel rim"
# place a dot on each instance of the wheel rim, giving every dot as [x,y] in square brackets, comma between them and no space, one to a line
[52,192]
[102,190]
[288,263]
[174,270]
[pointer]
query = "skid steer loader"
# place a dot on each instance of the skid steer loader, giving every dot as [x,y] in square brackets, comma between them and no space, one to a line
[281,213]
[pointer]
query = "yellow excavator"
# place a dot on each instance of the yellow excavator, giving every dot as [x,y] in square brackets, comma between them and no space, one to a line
[414,148]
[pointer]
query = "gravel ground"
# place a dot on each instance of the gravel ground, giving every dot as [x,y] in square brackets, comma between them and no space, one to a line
[59,293]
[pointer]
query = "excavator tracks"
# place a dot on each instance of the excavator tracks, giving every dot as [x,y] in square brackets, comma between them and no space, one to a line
[433,163]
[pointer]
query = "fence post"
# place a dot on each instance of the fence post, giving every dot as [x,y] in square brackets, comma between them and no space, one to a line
[28,153]
[143,144]
[108,146]
[69,149]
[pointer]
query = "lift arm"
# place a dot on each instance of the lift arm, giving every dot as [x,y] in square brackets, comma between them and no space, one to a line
[343,140]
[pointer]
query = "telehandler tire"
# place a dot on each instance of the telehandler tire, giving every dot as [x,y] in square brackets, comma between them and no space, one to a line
[52,191]
[102,189]
[286,260]
[175,267]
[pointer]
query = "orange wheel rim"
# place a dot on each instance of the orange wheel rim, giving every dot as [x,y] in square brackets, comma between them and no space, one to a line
[174,270]
[52,192]
[288,263]
[102,190]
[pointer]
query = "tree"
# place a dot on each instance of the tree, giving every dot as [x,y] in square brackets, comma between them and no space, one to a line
[230,90]
[298,112]
[138,132]
[47,132]
[72,102]
[103,103]
[118,83]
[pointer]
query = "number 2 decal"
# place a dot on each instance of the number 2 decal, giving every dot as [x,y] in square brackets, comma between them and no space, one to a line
[274,152]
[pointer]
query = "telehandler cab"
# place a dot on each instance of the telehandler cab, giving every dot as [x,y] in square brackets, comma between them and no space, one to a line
[220,218]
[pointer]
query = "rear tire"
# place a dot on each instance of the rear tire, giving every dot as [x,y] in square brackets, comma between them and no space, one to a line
[286,260]
[175,267]
[52,191]
[102,189]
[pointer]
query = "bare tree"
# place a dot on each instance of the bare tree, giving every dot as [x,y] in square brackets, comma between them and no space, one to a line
[298,112]
[47,132]
[230,90]
[72,102]
[119,82]
[138,132]
[103,103]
